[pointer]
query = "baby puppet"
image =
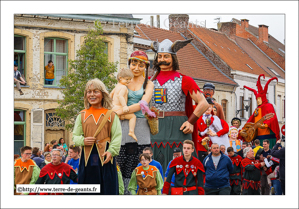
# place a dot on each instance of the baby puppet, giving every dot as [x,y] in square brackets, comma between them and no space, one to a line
[234,142]
[120,99]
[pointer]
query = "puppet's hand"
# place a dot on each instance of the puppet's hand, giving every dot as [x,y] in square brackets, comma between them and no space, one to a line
[121,117]
[187,128]
[211,133]
[125,109]
[108,157]
[89,141]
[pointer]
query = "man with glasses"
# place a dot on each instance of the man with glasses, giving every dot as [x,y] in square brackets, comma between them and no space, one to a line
[25,170]
[57,172]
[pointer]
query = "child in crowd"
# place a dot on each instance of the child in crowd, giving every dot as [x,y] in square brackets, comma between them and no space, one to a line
[74,161]
[147,177]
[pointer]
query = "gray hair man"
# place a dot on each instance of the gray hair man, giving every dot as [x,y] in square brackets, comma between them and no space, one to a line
[57,172]
[252,173]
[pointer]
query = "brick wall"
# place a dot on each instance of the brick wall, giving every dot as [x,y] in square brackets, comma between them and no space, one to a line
[179,23]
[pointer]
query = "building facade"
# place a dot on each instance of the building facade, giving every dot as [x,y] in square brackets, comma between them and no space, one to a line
[40,38]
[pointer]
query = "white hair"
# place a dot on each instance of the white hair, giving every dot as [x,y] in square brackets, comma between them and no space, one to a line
[59,150]
[245,151]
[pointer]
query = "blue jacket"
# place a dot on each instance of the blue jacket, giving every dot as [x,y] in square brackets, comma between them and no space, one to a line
[38,160]
[166,174]
[218,178]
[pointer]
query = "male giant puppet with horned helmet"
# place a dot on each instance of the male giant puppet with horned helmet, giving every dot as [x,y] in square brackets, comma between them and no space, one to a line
[270,128]
[172,95]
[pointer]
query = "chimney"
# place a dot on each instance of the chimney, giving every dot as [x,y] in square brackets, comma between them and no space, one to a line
[244,23]
[179,23]
[152,21]
[158,21]
[263,33]
[229,28]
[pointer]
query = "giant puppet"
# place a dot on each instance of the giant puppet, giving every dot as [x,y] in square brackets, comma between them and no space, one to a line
[269,129]
[97,129]
[140,91]
[172,95]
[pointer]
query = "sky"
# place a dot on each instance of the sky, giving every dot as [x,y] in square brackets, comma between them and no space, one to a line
[275,22]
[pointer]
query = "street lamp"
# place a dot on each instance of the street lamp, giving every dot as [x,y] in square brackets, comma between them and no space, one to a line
[151,56]
[246,104]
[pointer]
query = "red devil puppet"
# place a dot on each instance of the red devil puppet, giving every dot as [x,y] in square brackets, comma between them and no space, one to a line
[271,126]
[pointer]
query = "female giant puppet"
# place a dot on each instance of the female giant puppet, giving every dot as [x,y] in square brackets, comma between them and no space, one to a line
[140,91]
[270,129]
[172,95]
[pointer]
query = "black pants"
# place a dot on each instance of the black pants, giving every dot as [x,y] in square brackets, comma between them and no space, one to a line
[251,191]
[201,155]
[265,188]
[236,189]
[220,191]
[282,183]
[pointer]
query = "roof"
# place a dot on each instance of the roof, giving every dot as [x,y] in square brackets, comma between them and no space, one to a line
[227,50]
[192,62]
[126,18]
[122,15]
[259,57]
[276,45]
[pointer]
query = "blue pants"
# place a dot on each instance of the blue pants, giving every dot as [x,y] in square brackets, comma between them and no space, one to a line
[277,187]
[49,82]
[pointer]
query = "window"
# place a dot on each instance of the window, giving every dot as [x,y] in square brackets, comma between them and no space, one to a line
[249,66]
[241,107]
[278,107]
[56,50]
[52,120]
[106,50]
[281,50]
[284,108]
[273,71]
[223,104]
[19,130]
[19,53]
[250,107]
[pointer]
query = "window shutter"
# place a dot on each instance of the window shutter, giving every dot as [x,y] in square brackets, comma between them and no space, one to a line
[37,128]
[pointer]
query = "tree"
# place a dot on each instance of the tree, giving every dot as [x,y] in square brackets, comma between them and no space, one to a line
[91,62]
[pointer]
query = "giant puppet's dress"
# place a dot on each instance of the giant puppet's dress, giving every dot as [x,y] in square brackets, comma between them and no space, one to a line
[171,96]
[91,168]
[130,149]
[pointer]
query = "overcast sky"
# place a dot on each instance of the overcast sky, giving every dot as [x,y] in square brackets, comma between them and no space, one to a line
[276,23]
